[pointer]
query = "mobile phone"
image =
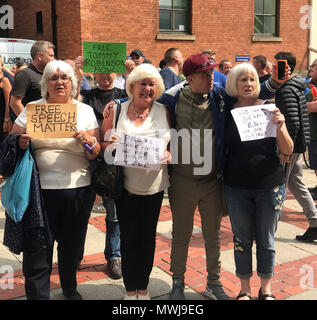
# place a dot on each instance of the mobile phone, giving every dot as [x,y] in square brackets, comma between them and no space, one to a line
[281,68]
[88,148]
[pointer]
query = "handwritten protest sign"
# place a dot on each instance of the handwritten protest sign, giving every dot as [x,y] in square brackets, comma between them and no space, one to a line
[101,57]
[255,122]
[139,152]
[51,120]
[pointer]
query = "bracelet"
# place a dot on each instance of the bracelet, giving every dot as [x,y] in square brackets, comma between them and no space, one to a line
[95,142]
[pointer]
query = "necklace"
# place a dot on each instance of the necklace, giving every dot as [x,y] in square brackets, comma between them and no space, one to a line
[140,116]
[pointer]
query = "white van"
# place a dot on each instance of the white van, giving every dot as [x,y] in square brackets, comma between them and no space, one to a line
[11,48]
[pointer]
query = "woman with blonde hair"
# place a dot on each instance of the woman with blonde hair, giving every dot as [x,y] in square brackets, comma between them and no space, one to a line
[254,184]
[139,206]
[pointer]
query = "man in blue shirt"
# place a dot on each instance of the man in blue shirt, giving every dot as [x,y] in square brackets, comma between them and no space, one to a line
[219,77]
[174,63]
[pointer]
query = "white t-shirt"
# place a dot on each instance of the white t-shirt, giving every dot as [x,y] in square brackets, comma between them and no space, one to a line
[62,162]
[141,181]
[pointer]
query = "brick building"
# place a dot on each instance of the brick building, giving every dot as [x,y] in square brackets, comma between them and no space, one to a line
[231,28]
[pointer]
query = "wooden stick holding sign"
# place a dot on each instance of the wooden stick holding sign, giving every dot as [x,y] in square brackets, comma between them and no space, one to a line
[51,120]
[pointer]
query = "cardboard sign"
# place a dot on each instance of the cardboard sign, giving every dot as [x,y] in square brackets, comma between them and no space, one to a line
[255,122]
[139,152]
[101,57]
[51,120]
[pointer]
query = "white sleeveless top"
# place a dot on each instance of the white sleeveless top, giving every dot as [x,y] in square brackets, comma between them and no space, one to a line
[144,181]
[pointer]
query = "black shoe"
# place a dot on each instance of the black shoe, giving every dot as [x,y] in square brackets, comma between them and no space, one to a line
[265,296]
[177,292]
[74,296]
[114,269]
[216,292]
[309,236]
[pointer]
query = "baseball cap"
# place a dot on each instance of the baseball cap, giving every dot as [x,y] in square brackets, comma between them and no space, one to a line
[196,63]
[138,52]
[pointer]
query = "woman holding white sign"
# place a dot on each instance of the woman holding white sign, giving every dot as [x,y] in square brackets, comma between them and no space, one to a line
[142,120]
[65,182]
[254,183]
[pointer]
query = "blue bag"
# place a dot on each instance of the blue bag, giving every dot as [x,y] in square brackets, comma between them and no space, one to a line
[15,194]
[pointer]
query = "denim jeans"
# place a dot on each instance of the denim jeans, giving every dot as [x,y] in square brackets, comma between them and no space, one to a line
[112,246]
[254,214]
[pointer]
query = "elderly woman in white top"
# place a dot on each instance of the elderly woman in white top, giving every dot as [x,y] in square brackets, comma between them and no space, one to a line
[139,206]
[65,182]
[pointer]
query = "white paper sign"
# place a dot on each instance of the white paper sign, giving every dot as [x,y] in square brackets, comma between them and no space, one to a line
[139,152]
[255,122]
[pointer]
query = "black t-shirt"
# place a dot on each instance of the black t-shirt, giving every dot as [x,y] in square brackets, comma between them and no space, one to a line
[97,99]
[251,164]
[27,85]
[264,78]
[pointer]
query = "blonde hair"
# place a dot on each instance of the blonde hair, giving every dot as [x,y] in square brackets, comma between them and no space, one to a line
[141,72]
[51,68]
[235,73]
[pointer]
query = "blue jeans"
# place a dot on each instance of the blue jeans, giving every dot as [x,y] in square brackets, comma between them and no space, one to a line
[254,214]
[112,246]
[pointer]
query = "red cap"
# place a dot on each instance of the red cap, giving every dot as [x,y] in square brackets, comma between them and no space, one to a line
[196,63]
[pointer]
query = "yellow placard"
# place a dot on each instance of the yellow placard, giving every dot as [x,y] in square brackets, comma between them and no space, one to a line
[51,120]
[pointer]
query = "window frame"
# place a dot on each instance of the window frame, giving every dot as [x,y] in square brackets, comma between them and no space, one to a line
[39,22]
[277,19]
[172,11]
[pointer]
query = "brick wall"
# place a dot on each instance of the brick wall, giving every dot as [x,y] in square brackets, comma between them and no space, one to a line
[25,19]
[225,26]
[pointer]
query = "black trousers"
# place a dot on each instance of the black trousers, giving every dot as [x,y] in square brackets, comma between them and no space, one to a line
[138,217]
[68,212]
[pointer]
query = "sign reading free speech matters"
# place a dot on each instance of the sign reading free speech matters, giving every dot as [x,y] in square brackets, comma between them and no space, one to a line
[51,120]
[102,57]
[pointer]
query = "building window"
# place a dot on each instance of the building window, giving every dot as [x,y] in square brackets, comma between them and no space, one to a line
[174,15]
[266,17]
[39,22]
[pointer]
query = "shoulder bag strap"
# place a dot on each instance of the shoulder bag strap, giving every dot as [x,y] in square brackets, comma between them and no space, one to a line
[117,115]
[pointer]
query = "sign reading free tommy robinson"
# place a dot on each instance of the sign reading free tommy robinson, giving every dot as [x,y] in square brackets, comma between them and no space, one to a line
[102,57]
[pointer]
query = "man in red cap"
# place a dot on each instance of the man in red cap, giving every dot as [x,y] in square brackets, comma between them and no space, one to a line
[197,112]
[196,184]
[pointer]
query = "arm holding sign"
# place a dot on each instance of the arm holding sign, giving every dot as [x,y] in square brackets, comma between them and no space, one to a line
[90,137]
[79,64]
[283,139]
[107,137]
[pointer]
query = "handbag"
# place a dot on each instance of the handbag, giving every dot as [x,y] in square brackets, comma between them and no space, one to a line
[107,179]
[15,195]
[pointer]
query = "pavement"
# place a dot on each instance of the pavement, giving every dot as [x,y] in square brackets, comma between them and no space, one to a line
[295,275]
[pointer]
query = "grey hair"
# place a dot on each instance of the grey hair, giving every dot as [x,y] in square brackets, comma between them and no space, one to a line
[40,46]
[141,72]
[51,68]
[235,73]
